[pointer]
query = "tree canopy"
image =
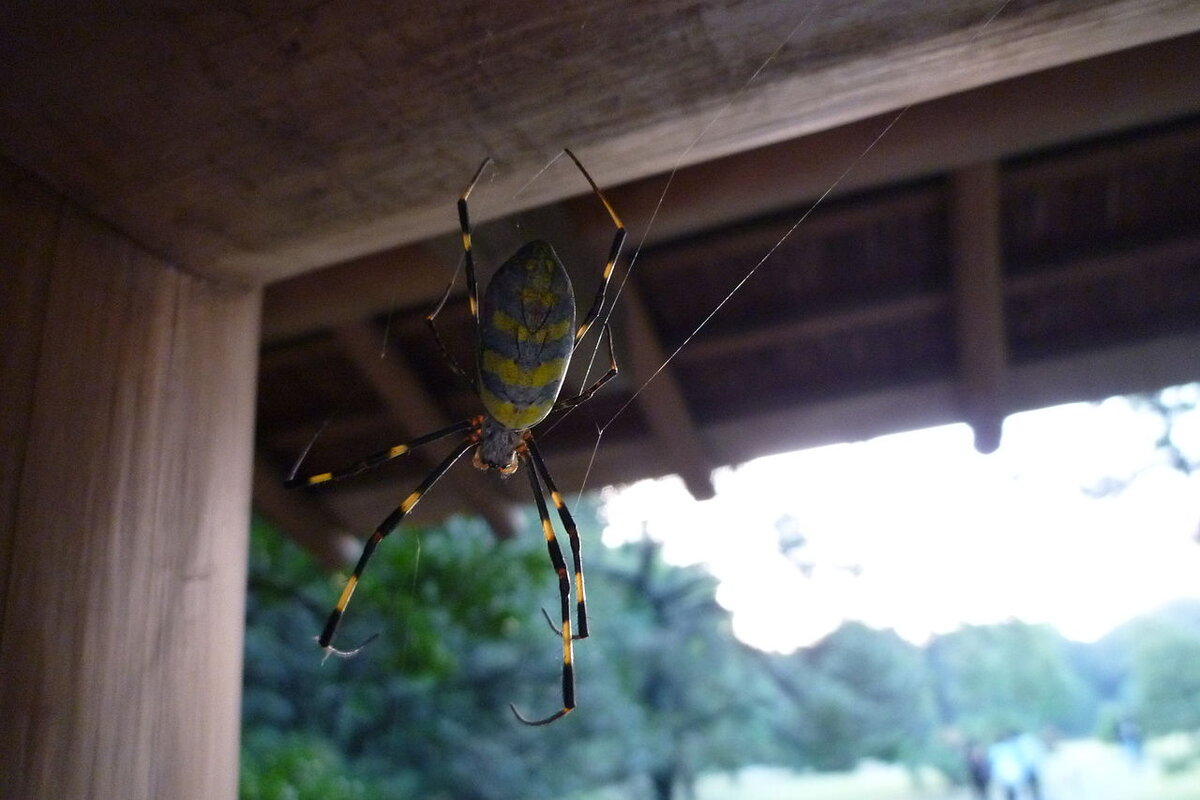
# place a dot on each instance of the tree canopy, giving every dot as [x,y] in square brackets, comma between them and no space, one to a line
[665,691]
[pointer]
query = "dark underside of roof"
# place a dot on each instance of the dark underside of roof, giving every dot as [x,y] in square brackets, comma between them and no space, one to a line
[766,327]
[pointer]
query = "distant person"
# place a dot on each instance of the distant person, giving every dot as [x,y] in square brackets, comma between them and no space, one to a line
[1033,754]
[1007,765]
[1129,735]
[979,771]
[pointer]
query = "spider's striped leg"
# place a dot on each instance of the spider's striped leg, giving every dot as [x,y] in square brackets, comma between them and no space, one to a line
[447,356]
[325,640]
[568,522]
[464,224]
[582,397]
[382,457]
[613,251]
[564,592]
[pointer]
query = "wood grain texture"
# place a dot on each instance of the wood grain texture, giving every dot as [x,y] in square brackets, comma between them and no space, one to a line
[129,387]
[1129,89]
[261,140]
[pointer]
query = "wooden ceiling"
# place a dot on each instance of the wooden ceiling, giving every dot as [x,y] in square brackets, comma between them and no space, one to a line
[1014,214]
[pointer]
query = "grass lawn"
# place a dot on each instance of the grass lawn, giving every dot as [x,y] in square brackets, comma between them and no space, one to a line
[868,782]
[1076,770]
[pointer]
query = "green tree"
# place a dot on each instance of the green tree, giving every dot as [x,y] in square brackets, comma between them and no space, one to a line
[858,693]
[664,689]
[1165,677]
[279,766]
[1015,675]
[1173,405]
[422,711]
[690,699]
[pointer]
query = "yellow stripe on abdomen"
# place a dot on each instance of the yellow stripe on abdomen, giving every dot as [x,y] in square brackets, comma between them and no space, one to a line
[548,332]
[513,416]
[513,374]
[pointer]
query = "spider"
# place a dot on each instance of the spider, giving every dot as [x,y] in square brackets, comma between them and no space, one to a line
[526,334]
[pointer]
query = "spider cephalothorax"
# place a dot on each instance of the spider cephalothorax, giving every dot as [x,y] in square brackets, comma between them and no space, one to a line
[498,446]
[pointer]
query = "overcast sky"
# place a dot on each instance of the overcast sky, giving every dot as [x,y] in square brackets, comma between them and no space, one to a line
[920,533]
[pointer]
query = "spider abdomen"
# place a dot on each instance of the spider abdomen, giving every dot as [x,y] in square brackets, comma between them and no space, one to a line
[526,336]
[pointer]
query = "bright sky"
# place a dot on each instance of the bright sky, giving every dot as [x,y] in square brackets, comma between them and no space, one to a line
[920,533]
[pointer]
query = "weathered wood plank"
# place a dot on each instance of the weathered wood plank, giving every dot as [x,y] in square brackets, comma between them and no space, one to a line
[1101,96]
[267,141]
[125,521]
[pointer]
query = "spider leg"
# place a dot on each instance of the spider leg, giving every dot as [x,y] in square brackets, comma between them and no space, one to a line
[464,224]
[325,640]
[568,522]
[613,251]
[554,627]
[564,592]
[447,356]
[583,396]
[375,459]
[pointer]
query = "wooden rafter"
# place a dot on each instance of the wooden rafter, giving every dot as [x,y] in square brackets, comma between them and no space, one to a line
[416,411]
[661,400]
[1132,88]
[813,326]
[310,523]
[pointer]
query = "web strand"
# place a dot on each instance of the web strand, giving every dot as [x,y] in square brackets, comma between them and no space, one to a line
[602,428]
[620,286]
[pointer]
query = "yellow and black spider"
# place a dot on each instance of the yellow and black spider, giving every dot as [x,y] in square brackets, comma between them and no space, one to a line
[526,334]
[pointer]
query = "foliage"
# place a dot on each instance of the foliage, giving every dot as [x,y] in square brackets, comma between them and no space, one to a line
[1175,406]
[277,766]
[859,693]
[431,691]
[421,712]
[666,692]
[1011,676]
[688,695]
[1166,677]
[1149,671]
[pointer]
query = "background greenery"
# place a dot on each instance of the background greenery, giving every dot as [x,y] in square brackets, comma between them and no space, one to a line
[666,693]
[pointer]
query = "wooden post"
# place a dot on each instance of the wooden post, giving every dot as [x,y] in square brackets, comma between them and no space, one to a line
[126,418]
[978,289]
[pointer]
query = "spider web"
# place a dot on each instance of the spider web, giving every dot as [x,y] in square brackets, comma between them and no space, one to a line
[617,288]
[602,427]
[622,277]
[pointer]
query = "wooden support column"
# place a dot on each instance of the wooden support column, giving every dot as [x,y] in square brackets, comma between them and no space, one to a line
[126,418]
[978,283]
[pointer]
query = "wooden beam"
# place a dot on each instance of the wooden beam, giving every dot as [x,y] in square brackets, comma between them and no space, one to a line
[977,288]
[1080,272]
[1116,92]
[417,412]
[313,526]
[1119,91]
[344,425]
[1138,367]
[1078,377]
[809,98]
[1083,376]
[1169,143]
[661,402]
[348,292]
[129,396]
[813,326]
